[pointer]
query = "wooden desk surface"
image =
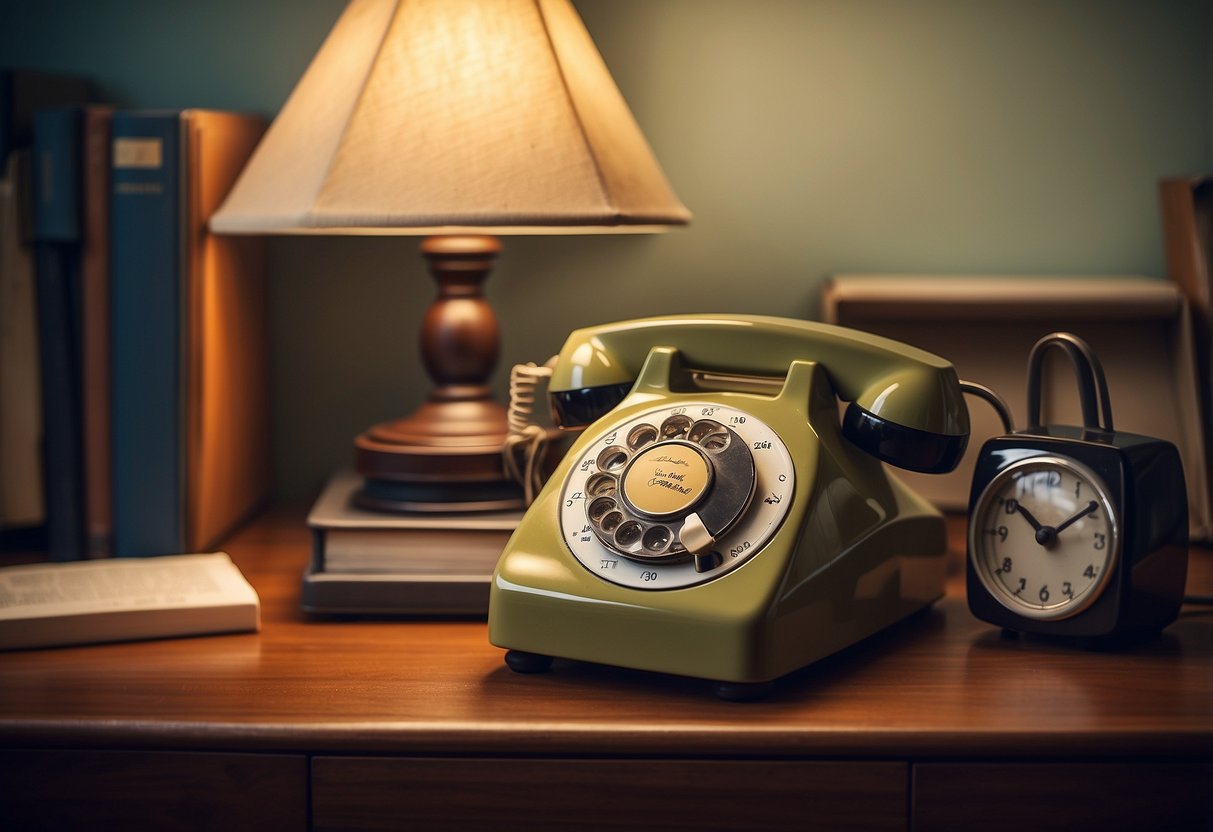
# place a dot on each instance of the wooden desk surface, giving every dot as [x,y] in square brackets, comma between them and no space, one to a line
[942,685]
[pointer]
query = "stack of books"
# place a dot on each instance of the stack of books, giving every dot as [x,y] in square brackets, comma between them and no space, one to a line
[372,563]
[134,373]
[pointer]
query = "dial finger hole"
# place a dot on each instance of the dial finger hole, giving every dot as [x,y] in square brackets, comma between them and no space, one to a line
[600,507]
[601,485]
[657,538]
[675,427]
[610,521]
[641,435]
[711,435]
[612,459]
[628,534]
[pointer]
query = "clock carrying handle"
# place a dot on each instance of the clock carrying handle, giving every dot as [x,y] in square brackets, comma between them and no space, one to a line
[1092,385]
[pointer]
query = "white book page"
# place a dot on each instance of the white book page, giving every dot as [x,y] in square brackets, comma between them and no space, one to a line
[122,584]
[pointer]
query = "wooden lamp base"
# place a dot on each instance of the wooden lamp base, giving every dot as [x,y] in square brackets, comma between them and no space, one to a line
[446,456]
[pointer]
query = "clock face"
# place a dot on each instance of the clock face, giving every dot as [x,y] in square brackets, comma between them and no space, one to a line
[1043,537]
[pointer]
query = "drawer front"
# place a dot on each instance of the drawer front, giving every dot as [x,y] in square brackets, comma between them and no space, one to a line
[64,789]
[1072,796]
[545,794]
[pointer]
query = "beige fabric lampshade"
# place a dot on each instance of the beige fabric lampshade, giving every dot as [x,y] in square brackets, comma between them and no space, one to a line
[438,116]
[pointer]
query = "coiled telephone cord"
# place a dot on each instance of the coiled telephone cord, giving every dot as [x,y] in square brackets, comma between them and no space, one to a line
[522,455]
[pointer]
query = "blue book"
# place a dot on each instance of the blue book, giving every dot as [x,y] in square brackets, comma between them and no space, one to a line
[58,233]
[189,373]
[145,325]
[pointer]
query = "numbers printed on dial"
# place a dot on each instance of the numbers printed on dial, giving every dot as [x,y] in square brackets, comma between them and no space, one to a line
[1043,540]
[671,566]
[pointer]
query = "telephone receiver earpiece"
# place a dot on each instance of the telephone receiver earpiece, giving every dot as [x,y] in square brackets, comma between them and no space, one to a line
[902,446]
[905,405]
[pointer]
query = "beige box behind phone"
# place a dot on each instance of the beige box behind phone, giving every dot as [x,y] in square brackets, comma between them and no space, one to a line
[986,325]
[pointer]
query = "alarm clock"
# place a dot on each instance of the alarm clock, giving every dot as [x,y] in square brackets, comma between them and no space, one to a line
[1077,531]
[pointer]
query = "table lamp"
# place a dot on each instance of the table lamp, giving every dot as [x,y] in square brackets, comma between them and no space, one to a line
[459,120]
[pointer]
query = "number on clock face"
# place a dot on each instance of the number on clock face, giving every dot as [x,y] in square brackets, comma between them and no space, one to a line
[1044,537]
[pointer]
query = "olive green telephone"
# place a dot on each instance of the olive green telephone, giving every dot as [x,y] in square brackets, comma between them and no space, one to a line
[714,519]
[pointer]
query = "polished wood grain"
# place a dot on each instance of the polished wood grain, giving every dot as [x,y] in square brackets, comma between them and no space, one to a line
[941,685]
[935,724]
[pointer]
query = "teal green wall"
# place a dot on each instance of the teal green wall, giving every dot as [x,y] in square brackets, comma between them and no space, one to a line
[807,136]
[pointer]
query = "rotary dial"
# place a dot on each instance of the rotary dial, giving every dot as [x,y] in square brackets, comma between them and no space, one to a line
[676,496]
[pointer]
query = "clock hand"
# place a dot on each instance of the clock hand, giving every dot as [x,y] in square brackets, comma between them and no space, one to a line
[1091,506]
[1045,535]
[1027,515]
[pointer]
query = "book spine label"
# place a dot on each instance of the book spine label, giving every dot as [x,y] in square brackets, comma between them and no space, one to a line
[146,338]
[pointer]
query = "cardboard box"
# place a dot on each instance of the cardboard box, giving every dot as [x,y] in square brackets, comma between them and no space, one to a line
[1141,329]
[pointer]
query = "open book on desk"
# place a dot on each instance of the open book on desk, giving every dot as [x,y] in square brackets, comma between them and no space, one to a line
[123,599]
[378,563]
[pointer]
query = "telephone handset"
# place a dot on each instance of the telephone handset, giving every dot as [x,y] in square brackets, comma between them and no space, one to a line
[905,404]
[715,519]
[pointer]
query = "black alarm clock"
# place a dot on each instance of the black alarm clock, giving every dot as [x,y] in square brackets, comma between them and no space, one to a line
[1079,532]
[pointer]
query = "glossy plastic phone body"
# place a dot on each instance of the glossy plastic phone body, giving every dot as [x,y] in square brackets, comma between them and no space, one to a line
[827,548]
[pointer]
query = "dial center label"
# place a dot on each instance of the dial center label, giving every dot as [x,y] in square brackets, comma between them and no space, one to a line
[666,479]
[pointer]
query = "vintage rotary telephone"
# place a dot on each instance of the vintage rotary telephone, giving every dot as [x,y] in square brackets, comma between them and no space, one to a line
[715,519]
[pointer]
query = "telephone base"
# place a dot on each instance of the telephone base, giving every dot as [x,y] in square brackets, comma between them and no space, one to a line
[729,632]
[520,661]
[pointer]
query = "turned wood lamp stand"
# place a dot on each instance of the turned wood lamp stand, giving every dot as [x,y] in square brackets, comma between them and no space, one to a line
[446,455]
[460,119]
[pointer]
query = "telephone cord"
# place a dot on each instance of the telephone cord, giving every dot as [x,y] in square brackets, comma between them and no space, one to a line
[522,455]
[993,399]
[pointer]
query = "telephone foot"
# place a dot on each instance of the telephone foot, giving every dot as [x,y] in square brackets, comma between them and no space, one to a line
[520,661]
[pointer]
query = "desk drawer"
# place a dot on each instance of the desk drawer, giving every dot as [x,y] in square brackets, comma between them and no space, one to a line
[1021,796]
[548,794]
[86,789]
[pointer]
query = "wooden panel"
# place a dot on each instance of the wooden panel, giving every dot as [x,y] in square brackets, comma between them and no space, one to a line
[1071,796]
[42,789]
[548,794]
